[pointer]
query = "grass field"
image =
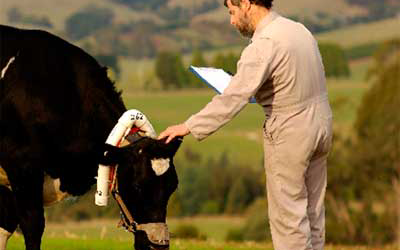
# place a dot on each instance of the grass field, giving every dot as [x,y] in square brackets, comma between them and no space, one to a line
[95,244]
[103,235]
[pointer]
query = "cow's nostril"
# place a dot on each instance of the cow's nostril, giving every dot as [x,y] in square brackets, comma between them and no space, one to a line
[166,247]
[159,248]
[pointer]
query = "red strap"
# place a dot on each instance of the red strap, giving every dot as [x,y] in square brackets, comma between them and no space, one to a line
[111,176]
[134,130]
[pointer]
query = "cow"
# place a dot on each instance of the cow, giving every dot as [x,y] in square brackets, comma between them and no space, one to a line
[57,108]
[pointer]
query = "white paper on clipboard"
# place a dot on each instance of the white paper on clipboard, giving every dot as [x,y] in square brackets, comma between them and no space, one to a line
[217,79]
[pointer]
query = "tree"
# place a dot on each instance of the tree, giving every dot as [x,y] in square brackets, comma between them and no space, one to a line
[110,61]
[227,62]
[141,4]
[378,131]
[87,21]
[238,197]
[14,15]
[198,61]
[378,119]
[170,70]
[365,182]
[334,59]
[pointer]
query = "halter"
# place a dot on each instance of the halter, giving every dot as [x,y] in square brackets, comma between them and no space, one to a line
[127,220]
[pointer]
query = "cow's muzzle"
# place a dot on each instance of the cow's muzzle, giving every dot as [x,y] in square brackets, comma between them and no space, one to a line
[157,234]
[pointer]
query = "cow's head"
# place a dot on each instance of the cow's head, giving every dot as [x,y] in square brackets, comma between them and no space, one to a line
[146,179]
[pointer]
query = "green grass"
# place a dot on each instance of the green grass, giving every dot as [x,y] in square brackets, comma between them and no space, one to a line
[96,244]
[176,244]
[241,135]
[214,227]
[102,235]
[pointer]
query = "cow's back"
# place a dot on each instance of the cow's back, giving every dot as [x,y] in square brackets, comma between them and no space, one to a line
[57,104]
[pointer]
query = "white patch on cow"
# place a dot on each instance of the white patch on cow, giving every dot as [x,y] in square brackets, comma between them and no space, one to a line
[51,191]
[4,178]
[4,70]
[160,166]
[4,236]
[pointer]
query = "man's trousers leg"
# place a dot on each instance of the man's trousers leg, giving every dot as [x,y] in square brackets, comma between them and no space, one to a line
[316,186]
[287,200]
[295,164]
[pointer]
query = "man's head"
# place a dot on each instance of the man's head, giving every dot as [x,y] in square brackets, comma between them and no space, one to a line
[266,3]
[245,14]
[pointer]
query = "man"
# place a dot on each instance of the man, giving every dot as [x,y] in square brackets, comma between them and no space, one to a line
[282,68]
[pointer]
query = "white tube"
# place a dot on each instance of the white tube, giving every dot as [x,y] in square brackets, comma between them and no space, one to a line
[137,118]
[128,119]
[101,196]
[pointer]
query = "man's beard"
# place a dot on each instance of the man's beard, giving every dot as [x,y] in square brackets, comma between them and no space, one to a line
[245,28]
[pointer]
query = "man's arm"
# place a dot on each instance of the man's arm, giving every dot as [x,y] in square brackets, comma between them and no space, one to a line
[253,70]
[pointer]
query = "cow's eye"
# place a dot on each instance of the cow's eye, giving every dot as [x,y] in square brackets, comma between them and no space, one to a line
[136,187]
[140,151]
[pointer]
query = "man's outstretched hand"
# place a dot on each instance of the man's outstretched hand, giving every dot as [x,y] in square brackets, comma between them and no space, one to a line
[174,131]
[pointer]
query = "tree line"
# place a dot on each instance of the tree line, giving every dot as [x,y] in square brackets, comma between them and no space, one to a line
[173,73]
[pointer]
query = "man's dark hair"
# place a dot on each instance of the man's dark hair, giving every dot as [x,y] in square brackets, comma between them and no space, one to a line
[265,3]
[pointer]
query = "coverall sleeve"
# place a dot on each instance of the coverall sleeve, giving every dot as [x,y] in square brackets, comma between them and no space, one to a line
[253,69]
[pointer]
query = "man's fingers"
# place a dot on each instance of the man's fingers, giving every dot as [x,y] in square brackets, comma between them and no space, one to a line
[170,137]
[165,133]
[162,135]
[173,131]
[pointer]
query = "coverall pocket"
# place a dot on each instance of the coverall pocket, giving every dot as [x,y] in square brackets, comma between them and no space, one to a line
[325,119]
[269,129]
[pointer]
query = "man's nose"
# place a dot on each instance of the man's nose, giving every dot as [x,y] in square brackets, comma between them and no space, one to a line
[232,21]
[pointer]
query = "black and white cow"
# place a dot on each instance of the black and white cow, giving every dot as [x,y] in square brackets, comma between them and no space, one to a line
[57,107]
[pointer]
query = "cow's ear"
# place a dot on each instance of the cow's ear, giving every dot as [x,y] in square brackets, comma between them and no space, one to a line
[111,155]
[173,145]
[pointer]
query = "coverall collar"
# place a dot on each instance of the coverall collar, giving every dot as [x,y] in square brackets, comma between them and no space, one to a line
[271,16]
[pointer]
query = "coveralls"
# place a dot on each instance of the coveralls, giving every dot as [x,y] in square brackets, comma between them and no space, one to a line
[282,68]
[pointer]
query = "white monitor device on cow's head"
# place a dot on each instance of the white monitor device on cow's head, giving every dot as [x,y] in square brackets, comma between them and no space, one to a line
[129,119]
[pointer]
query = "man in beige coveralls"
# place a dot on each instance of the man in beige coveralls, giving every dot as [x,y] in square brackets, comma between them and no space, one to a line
[282,68]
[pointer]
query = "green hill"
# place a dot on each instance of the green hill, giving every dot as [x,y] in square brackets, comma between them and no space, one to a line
[58,11]
[155,25]
[363,33]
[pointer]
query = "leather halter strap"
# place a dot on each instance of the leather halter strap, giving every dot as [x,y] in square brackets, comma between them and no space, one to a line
[127,220]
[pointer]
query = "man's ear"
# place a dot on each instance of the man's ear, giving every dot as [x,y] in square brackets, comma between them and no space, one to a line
[245,4]
[111,155]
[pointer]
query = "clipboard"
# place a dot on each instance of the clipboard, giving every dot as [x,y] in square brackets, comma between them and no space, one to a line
[217,79]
